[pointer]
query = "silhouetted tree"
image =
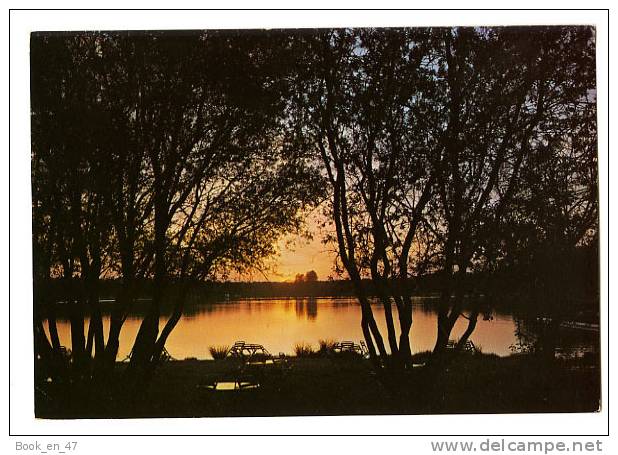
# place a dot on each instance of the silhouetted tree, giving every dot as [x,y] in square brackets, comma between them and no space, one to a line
[156,156]
[504,91]
[359,107]
[299,278]
[311,276]
[68,182]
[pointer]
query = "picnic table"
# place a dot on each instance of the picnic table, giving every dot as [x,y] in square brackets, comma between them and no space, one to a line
[350,346]
[248,351]
[255,355]
[251,371]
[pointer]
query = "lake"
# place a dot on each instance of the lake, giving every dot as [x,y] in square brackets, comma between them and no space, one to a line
[280,323]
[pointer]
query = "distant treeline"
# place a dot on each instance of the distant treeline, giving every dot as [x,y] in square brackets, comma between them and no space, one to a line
[217,291]
[536,284]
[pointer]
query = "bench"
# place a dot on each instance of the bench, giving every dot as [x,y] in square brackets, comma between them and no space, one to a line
[467,347]
[350,347]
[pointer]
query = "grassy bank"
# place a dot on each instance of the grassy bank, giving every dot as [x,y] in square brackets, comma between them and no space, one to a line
[331,386]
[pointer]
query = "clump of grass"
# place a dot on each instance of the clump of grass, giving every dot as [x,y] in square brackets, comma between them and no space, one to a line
[326,346]
[218,352]
[303,350]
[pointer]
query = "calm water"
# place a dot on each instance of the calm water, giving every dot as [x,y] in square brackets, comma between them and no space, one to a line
[279,324]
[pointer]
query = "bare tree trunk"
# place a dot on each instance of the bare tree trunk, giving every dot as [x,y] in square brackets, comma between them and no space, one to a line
[113,342]
[368,321]
[96,319]
[472,319]
[369,341]
[90,339]
[123,302]
[388,314]
[78,340]
[450,308]
[144,346]
[444,331]
[94,337]
[405,322]
[375,332]
[390,327]
[45,358]
[52,326]
[168,328]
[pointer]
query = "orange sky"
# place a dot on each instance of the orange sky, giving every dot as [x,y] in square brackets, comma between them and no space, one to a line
[300,255]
